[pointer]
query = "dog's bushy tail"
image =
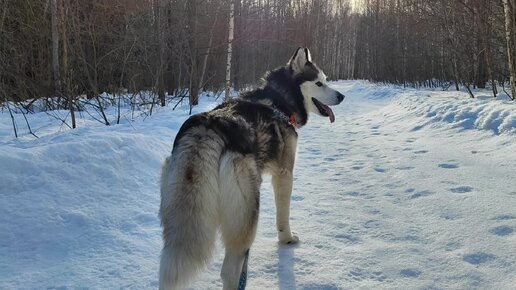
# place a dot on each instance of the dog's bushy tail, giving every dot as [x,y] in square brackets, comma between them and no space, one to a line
[189,231]
[178,267]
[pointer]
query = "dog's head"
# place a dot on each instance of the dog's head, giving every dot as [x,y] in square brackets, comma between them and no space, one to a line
[318,96]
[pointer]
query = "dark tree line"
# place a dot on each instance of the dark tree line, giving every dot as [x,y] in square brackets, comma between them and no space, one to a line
[434,43]
[177,48]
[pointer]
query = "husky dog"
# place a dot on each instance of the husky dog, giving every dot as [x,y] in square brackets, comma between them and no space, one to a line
[212,179]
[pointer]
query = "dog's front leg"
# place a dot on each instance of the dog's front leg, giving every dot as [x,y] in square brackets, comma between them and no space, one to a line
[282,184]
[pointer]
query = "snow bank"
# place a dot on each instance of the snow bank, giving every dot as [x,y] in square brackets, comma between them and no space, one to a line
[79,207]
[439,109]
[446,109]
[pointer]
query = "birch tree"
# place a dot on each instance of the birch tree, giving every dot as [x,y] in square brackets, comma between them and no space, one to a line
[231,29]
[510,35]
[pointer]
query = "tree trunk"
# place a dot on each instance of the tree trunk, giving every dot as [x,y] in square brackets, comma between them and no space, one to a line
[510,35]
[55,47]
[485,36]
[231,28]
[58,90]
[160,84]
[210,43]
[66,86]
[193,83]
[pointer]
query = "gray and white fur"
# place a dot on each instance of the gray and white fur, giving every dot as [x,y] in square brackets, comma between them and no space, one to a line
[211,181]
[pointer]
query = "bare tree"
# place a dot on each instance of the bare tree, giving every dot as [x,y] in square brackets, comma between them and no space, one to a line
[208,50]
[231,29]
[160,67]
[510,35]
[55,46]
[193,84]
[184,47]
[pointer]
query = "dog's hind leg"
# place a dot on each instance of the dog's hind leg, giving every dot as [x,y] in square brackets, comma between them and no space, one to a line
[240,197]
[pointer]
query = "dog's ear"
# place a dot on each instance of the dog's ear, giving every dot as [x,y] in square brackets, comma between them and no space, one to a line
[308,55]
[299,59]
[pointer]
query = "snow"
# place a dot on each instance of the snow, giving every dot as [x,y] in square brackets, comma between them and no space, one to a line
[408,189]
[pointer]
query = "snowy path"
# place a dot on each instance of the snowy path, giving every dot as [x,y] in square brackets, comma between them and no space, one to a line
[403,191]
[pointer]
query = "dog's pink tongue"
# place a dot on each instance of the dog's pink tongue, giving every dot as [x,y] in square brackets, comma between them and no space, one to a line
[329,112]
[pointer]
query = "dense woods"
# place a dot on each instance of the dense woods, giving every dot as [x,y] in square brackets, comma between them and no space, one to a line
[177,48]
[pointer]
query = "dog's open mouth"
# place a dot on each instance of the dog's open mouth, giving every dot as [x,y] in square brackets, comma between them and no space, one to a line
[324,109]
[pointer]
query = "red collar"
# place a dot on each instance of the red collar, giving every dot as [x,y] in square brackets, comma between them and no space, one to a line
[292,120]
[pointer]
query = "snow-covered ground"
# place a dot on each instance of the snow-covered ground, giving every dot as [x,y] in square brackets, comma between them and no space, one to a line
[408,189]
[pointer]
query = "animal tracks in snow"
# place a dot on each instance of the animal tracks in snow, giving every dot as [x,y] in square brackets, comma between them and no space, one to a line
[448,165]
[461,189]
[297,198]
[410,273]
[478,258]
[502,231]
[405,167]
[359,274]
[418,193]
[504,217]
[348,239]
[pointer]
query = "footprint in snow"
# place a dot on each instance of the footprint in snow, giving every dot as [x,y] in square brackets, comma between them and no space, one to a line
[461,189]
[502,231]
[478,258]
[421,194]
[297,198]
[372,224]
[504,217]
[347,239]
[358,274]
[351,193]
[448,165]
[410,273]
[452,246]
[417,128]
[381,170]
[319,286]
[418,194]
[405,167]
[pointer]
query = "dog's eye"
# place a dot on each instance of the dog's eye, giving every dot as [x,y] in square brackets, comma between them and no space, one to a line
[319,84]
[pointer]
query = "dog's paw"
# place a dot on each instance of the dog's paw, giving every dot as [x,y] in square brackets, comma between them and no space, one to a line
[288,238]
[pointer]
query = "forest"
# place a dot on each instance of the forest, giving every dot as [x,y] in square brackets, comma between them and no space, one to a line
[64,50]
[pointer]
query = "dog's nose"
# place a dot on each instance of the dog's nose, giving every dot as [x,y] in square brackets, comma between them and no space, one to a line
[340,97]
